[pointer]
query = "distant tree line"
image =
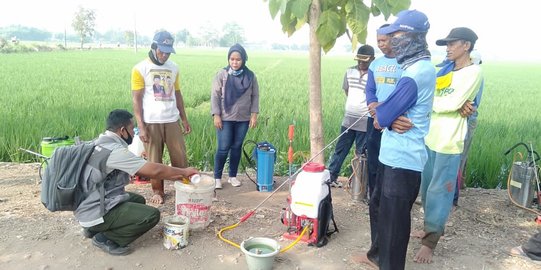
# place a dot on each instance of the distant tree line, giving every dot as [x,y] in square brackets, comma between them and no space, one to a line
[208,37]
[84,21]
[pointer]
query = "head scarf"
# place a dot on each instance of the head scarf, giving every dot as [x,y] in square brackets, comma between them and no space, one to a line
[238,81]
[410,48]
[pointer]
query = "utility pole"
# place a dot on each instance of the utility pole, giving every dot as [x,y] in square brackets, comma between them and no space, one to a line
[135,31]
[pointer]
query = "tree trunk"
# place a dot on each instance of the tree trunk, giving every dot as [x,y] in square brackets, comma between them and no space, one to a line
[316,119]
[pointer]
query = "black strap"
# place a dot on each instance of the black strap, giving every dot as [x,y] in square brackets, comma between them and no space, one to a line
[249,160]
[335,227]
[332,213]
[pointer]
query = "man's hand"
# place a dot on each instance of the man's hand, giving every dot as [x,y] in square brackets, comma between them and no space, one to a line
[190,171]
[372,108]
[467,109]
[376,124]
[217,121]
[401,124]
[143,134]
[186,126]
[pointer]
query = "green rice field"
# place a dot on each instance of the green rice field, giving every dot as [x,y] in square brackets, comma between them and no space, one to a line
[71,92]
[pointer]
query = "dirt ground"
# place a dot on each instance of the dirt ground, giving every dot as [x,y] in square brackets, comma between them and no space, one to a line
[478,235]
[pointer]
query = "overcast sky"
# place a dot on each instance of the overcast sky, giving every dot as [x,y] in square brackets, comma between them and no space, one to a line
[502,26]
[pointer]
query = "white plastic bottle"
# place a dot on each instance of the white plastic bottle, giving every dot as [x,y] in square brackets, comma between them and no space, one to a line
[195,179]
[136,147]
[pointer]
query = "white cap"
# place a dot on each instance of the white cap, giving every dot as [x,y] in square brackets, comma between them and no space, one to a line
[196,178]
[475,57]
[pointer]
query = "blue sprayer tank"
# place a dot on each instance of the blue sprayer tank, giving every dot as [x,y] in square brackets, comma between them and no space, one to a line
[266,155]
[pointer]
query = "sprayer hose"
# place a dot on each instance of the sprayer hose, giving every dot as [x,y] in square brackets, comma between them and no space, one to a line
[296,240]
[238,246]
[226,240]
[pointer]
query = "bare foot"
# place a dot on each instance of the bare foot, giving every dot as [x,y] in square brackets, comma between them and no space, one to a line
[418,234]
[157,198]
[517,252]
[424,255]
[364,260]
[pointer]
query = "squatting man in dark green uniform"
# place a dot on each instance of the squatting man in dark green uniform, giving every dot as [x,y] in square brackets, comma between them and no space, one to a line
[126,215]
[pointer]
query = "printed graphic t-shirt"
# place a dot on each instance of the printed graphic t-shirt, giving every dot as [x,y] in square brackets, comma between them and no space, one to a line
[159,84]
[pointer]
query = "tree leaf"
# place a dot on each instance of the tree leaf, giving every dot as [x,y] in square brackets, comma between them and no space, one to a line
[328,46]
[361,37]
[328,27]
[354,42]
[301,22]
[384,7]
[357,15]
[331,4]
[300,8]
[288,23]
[375,10]
[277,5]
[399,5]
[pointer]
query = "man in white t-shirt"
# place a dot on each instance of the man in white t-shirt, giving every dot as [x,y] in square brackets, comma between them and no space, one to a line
[354,86]
[160,114]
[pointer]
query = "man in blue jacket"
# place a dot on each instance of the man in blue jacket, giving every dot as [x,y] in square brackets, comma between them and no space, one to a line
[402,152]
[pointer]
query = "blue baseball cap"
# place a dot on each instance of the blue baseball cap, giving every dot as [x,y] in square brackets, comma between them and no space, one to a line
[165,41]
[407,21]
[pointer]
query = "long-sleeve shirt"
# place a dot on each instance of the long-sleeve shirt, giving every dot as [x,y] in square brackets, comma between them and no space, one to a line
[247,104]
[383,75]
[412,98]
[447,128]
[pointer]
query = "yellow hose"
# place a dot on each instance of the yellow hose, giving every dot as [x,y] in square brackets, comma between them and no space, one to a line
[238,246]
[226,240]
[296,240]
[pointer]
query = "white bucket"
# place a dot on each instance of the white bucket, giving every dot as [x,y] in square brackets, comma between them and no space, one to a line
[194,201]
[260,252]
[175,232]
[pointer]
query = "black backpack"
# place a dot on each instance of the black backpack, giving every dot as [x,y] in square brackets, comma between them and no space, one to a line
[60,185]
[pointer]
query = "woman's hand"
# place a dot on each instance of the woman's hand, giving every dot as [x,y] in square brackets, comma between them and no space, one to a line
[217,121]
[253,120]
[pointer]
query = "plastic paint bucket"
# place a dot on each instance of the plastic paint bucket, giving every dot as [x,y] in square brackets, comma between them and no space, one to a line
[175,232]
[260,252]
[194,201]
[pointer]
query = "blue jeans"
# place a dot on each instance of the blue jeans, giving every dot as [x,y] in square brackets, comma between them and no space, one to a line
[342,149]
[437,190]
[472,125]
[230,139]
[373,143]
[390,216]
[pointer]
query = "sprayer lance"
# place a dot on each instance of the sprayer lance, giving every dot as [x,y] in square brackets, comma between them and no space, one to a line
[34,153]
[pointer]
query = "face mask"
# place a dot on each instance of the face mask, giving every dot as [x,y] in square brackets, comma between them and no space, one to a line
[409,45]
[129,140]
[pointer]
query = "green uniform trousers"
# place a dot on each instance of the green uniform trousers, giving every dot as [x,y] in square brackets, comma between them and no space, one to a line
[128,220]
